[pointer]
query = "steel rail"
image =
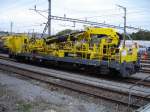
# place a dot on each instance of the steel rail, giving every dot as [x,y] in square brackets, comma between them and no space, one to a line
[105,93]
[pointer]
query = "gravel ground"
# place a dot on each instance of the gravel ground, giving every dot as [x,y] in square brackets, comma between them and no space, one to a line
[24,95]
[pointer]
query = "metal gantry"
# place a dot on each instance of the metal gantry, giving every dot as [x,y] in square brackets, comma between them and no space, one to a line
[96,24]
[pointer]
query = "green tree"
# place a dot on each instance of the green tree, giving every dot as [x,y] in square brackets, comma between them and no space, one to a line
[63,32]
[141,35]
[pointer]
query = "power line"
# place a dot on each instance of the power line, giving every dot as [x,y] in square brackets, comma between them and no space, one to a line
[92,23]
[96,24]
[86,22]
[117,14]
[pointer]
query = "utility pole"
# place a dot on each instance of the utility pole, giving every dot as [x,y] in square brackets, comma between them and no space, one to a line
[11,27]
[49,18]
[125,22]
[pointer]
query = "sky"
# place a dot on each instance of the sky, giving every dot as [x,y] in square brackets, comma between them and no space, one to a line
[25,20]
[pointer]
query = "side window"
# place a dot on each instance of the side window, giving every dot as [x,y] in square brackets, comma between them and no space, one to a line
[95,39]
[25,41]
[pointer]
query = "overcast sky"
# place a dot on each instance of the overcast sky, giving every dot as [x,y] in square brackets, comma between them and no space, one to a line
[138,13]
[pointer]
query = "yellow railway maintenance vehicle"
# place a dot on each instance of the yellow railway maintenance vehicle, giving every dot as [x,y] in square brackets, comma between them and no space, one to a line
[98,48]
[4,44]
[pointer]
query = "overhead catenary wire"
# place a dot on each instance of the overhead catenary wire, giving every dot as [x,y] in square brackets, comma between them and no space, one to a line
[85,21]
[32,2]
[97,24]
[110,15]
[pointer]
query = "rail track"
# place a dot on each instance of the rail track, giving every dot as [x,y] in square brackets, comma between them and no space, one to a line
[109,90]
[130,80]
[145,65]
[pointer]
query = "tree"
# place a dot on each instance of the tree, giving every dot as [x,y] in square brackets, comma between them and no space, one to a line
[141,35]
[63,32]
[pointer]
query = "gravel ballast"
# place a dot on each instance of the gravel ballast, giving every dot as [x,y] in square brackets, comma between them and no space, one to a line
[19,95]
